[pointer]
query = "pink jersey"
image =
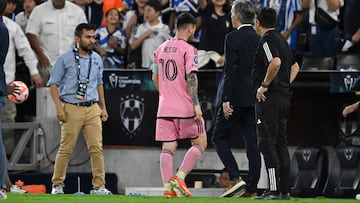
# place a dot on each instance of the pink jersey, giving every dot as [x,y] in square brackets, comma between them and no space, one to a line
[175,58]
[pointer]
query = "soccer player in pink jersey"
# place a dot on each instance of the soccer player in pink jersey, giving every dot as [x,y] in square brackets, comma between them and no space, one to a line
[179,113]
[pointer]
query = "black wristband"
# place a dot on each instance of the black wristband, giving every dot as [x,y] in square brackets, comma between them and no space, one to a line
[264,85]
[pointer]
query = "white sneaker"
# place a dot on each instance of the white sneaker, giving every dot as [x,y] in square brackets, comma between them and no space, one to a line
[57,189]
[3,194]
[17,189]
[100,191]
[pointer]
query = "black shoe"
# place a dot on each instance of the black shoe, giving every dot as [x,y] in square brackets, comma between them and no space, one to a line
[269,195]
[285,196]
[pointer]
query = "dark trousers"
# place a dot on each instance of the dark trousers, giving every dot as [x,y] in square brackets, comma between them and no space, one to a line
[245,116]
[272,119]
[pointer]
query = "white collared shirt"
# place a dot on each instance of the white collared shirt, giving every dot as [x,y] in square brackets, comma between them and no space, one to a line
[244,25]
[55,28]
[18,42]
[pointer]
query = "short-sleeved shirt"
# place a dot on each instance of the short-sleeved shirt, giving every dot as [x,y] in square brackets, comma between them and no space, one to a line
[175,59]
[149,45]
[65,72]
[272,45]
[55,28]
[213,30]
[286,10]
[103,35]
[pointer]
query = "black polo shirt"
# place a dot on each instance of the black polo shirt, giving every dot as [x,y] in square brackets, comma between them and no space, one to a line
[272,45]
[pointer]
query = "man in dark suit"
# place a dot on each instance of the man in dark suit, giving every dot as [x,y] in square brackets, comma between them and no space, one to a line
[238,100]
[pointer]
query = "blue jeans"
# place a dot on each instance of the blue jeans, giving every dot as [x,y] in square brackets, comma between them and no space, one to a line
[3,160]
[323,42]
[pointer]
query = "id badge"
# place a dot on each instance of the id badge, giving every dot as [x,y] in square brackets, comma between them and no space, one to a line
[81,91]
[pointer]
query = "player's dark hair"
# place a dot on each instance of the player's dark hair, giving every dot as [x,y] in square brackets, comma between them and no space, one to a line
[2,6]
[267,17]
[154,4]
[83,26]
[184,20]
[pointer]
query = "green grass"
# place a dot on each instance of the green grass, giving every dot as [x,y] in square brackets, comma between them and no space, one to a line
[47,198]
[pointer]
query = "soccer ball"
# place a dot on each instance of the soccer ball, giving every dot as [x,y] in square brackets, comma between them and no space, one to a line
[20,94]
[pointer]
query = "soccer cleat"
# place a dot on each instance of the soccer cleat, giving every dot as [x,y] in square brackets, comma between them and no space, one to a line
[285,196]
[57,189]
[234,187]
[100,191]
[180,185]
[17,189]
[269,195]
[169,194]
[3,194]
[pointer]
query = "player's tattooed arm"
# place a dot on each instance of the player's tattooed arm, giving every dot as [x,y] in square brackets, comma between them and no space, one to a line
[192,83]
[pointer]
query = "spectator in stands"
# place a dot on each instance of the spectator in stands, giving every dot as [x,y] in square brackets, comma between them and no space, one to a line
[133,18]
[111,41]
[179,114]
[355,106]
[51,35]
[94,13]
[18,43]
[22,17]
[10,9]
[323,41]
[151,34]
[80,105]
[352,26]
[224,178]
[4,44]
[237,105]
[191,6]
[215,24]
[289,18]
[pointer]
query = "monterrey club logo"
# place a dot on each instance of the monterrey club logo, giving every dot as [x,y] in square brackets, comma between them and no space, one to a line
[306,154]
[348,82]
[348,153]
[131,112]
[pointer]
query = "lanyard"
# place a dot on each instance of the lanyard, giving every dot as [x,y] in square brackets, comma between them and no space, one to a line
[77,62]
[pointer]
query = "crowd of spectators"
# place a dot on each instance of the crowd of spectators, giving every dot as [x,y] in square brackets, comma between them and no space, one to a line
[127,41]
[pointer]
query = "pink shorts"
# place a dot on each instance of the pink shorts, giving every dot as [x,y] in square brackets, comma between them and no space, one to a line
[177,129]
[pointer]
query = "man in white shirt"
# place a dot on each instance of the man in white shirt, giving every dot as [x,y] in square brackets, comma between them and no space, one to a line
[50,31]
[17,42]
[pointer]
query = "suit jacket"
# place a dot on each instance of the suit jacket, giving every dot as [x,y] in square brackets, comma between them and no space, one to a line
[240,48]
[4,45]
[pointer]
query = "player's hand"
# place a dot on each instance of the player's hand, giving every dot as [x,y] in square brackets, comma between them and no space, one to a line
[198,113]
[227,109]
[260,94]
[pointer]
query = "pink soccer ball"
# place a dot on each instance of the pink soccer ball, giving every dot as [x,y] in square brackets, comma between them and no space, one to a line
[20,94]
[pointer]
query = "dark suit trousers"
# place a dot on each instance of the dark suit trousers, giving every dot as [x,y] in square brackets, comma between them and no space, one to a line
[245,116]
